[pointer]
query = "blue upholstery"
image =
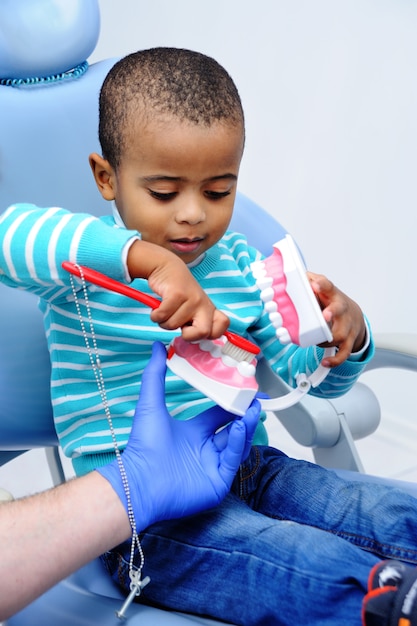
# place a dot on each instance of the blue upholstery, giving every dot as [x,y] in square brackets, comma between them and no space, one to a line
[46,37]
[89,599]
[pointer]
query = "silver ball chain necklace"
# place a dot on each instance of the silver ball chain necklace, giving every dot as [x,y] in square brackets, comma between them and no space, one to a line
[135,572]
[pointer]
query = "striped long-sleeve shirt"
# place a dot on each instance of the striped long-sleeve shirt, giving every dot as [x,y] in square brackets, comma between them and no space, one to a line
[35,242]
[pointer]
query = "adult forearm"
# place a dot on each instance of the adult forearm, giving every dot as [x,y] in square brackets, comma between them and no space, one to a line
[46,537]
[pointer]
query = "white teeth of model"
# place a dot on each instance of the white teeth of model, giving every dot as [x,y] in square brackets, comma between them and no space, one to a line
[216,351]
[267,294]
[258,269]
[276,319]
[209,346]
[246,369]
[264,282]
[229,361]
[283,335]
[271,306]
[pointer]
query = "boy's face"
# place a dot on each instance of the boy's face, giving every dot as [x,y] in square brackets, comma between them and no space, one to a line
[176,183]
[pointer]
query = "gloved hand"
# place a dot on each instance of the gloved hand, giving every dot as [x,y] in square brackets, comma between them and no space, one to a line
[176,468]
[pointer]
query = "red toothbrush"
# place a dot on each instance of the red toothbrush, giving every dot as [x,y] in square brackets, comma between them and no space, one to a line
[97,278]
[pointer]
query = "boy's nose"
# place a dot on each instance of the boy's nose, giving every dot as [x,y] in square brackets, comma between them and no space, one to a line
[190,213]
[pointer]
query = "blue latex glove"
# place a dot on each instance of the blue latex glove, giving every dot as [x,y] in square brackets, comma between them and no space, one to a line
[176,468]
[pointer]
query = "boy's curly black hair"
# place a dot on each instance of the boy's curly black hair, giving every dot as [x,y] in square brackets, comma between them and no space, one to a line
[189,85]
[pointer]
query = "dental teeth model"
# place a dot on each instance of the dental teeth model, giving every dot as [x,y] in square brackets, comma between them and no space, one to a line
[288,297]
[222,369]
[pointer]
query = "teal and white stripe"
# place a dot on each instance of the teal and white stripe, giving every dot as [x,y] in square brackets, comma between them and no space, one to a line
[34,243]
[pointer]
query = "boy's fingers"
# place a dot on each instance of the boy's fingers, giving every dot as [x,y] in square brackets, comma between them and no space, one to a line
[220,324]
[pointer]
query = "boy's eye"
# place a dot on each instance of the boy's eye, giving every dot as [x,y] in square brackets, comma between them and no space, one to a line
[163,196]
[217,195]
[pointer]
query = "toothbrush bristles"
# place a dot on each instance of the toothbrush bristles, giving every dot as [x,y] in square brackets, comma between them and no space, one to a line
[236,353]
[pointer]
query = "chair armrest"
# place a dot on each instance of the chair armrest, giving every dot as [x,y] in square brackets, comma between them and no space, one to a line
[314,421]
[397,350]
[328,426]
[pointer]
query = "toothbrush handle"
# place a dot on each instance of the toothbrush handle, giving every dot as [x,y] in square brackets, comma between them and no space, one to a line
[109,283]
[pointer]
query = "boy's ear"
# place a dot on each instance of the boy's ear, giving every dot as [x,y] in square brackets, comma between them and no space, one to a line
[104,175]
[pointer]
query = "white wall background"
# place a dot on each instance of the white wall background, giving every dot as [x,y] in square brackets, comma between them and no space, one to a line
[329,88]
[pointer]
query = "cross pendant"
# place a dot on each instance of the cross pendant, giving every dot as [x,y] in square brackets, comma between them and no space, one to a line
[136,587]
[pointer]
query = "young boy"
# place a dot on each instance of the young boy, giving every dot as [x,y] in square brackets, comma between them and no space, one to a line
[291,543]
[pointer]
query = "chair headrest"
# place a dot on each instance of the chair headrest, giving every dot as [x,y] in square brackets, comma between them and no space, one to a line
[46,37]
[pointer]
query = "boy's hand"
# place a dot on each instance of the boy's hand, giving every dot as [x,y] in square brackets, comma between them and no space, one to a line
[344,317]
[184,304]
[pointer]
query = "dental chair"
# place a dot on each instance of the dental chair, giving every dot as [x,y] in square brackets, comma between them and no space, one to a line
[47,129]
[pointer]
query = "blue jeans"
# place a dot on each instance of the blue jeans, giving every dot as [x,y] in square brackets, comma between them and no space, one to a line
[291,544]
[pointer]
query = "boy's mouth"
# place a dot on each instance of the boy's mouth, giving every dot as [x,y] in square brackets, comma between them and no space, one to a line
[186,245]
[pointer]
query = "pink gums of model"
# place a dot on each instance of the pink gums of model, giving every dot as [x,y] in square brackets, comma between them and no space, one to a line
[288,297]
[211,367]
